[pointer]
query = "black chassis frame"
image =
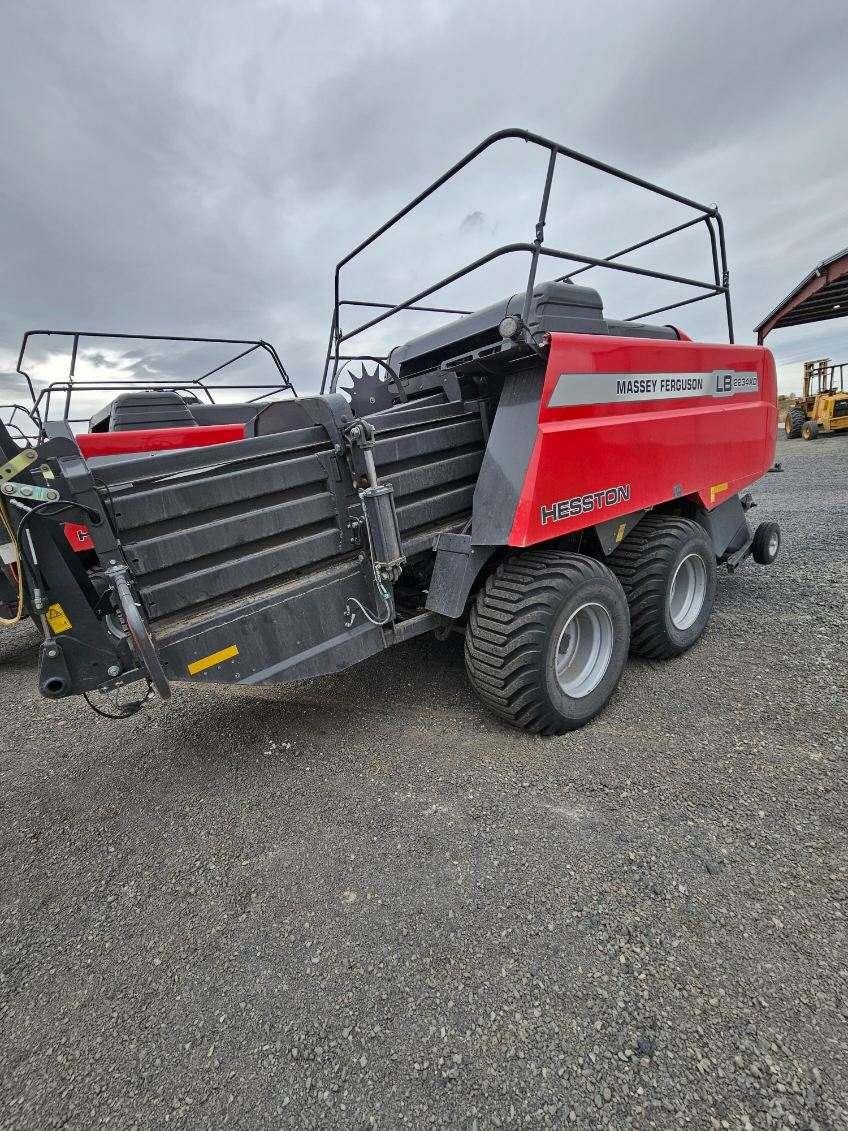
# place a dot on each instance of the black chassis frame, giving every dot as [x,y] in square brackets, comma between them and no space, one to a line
[95,651]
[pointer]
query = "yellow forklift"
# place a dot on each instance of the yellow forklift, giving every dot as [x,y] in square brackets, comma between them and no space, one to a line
[823,405]
[821,295]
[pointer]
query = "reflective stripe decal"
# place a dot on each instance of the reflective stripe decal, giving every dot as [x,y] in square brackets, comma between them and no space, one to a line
[212,660]
[623,388]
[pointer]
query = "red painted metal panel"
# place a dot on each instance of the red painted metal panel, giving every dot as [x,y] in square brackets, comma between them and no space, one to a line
[616,456]
[140,440]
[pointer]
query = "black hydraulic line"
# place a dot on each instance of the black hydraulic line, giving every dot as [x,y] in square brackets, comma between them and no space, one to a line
[126,712]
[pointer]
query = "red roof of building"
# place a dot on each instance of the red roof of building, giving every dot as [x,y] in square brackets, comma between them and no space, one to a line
[822,295]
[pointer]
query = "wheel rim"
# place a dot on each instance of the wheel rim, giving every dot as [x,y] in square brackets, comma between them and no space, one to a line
[773,544]
[688,591]
[584,650]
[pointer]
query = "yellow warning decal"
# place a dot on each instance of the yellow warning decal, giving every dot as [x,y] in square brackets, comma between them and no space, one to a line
[717,489]
[622,530]
[210,661]
[57,618]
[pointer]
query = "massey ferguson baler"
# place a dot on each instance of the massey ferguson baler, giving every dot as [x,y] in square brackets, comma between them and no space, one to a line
[555,484]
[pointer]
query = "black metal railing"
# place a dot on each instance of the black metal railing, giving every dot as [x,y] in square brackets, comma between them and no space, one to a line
[69,387]
[21,423]
[708,215]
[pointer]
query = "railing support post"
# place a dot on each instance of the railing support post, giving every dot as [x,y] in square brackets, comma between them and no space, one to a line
[540,236]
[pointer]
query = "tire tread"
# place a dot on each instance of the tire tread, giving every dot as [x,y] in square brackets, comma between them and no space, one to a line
[505,640]
[641,564]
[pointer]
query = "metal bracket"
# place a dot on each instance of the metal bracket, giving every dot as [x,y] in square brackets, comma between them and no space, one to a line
[13,467]
[25,491]
[332,471]
[733,560]
[450,384]
[613,531]
[359,436]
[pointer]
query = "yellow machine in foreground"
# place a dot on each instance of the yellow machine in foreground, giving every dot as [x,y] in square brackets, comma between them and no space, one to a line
[822,410]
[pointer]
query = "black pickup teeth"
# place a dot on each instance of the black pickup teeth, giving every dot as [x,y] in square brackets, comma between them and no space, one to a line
[368,392]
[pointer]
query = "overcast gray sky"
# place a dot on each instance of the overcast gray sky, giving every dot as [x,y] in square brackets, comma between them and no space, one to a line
[200,167]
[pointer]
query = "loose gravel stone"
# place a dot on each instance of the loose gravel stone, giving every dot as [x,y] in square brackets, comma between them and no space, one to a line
[361,902]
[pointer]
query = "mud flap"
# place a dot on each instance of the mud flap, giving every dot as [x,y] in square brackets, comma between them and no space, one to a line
[727,527]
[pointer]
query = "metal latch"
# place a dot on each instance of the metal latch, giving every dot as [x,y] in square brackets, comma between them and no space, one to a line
[25,491]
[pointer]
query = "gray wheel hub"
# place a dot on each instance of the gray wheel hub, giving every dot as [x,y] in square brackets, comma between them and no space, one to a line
[687,592]
[584,650]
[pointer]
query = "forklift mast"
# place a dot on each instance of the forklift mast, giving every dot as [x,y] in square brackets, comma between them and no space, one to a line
[817,375]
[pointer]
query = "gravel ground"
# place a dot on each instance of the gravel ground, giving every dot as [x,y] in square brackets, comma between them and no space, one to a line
[361,901]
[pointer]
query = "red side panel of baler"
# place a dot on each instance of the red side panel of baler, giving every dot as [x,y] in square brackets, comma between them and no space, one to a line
[138,440]
[602,449]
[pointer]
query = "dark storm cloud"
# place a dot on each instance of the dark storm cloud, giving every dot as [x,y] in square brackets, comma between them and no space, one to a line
[200,168]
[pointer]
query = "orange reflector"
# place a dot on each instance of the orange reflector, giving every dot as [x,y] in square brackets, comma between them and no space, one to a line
[718,489]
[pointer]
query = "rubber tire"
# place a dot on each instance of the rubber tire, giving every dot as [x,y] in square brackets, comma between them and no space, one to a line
[760,544]
[644,564]
[514,628]
[810,430]
[793,423]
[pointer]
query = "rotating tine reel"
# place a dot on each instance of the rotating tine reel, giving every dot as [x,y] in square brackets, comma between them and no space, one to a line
[372,391]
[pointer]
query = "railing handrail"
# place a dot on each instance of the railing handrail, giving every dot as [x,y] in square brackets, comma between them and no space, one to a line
[70,384]
[708,214]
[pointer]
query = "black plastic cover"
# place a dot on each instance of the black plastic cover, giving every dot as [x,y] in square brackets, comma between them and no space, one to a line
[131,411]
[557,308]
[167,409]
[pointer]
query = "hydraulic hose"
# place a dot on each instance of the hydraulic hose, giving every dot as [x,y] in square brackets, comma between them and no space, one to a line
[19,573]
